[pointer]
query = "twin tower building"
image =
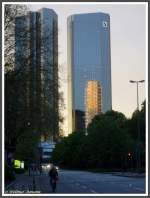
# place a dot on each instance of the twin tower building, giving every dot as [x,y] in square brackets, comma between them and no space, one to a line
[89,61]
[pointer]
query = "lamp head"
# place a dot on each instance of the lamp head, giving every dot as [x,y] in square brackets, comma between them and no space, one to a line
[142,81]
[132,81]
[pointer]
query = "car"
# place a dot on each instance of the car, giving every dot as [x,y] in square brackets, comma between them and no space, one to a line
[46,166]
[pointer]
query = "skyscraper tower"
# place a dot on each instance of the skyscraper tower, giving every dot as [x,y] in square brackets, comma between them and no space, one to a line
[88,59]
[36,53]
[93,100]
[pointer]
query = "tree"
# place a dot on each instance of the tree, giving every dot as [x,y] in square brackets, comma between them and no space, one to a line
[27,148]
[29,85]
[69,152]
[143,122]
[11,11]
[137,131]
[105,147]
[15,108]
[15,80]
[109,139]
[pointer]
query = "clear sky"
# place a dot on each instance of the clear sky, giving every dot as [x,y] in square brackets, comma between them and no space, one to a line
[128,48]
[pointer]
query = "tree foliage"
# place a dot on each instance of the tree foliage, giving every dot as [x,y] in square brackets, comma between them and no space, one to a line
[26,148]
[11,11]
[137,130]
[29,86]
[15,109]
[108,145]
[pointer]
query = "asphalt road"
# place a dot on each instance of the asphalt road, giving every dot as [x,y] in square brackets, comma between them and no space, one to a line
[74,182]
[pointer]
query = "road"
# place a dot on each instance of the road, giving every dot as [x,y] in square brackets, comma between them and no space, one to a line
[74,182]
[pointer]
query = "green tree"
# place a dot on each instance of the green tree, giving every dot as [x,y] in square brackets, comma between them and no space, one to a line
[27,96]
[11,11]
[109,139]
[15,109]
[27,146]
[69,151]
[137,130]
[105,147]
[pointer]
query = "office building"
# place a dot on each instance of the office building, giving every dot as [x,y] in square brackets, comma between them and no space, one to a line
[89,58]
[93,100]
[36,53]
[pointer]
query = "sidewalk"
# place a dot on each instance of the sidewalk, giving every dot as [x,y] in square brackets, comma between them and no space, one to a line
[24,183]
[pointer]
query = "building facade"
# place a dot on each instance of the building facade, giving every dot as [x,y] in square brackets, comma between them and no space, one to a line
[36,53]
[89,58]
[93,100]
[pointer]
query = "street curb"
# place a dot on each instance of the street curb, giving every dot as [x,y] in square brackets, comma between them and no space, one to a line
[10,185]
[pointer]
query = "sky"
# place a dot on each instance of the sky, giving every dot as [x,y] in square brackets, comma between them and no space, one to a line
[128,49]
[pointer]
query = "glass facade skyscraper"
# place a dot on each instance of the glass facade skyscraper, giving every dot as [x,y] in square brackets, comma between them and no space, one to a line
[89,58]
[36,53]
[93,102]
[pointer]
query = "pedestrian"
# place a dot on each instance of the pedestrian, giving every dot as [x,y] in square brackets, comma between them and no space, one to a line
[53,174]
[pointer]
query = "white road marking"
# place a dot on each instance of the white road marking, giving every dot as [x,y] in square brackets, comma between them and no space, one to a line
[136,188]
[140,189]
[93,191]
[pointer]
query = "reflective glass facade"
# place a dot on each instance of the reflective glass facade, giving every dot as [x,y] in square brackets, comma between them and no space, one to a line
[88,59]
[36,38]
[92,100]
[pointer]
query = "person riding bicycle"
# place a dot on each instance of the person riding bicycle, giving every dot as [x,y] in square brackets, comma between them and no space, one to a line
[53,174]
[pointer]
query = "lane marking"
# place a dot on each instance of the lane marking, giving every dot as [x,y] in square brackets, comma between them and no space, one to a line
[140,189]
[93,191]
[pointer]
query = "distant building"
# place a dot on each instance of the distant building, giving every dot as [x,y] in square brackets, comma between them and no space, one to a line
[36,49]
[80,120]
[93,100]
[89,58]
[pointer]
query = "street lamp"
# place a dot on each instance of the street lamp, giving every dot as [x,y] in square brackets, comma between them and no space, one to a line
[137,84]
[28,124]
[138,156]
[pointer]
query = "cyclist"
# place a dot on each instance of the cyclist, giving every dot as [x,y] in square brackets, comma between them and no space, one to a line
[53,174]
